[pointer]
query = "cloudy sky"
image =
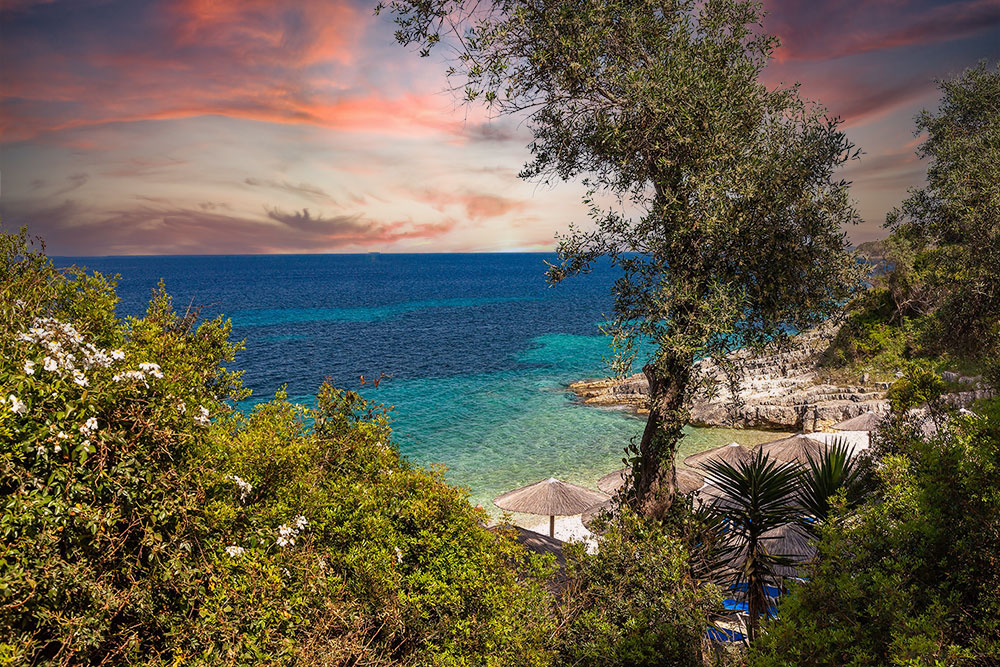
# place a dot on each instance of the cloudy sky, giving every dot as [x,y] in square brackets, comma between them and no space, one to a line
[257,126]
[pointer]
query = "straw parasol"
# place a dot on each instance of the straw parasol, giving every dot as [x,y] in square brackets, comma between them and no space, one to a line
[613,481]
[549,497]
[687,480]
[710,494]
[591,513]
[789,540]
[733,453]
[865,422]
[795,449]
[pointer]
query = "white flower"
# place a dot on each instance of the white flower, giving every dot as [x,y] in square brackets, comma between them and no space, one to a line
[235,551]
[244,486]
[181,408]
[50,364]
[61,435]
[29,367]
[57,448]
[151,369]
[17,406]
[80,379]
[201,419]
[399,555]
[286,536]
[300,522]
[89,427]
[138,376]
[118,355]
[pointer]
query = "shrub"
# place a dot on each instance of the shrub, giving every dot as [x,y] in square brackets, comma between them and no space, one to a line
[634,602]
[912,577]
[147,520]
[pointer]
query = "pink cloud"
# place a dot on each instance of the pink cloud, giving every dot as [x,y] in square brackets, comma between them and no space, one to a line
[299,34]
[252,59]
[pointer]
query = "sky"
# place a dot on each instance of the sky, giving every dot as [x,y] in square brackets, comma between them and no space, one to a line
[299,126]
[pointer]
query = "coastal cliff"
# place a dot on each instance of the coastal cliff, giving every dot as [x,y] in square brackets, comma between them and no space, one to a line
[784,389]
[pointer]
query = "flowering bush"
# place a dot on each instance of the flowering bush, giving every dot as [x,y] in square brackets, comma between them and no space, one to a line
[147,520]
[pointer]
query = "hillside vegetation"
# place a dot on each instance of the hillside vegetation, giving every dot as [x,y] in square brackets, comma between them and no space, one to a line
[935,297]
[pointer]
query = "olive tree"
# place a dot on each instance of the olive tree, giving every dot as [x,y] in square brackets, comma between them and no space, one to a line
[713,193]
[952,226]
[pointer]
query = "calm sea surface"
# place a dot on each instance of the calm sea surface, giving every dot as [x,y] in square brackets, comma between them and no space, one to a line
[478,348]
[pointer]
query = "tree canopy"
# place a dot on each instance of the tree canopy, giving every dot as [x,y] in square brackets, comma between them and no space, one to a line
[948,233]
[714,194]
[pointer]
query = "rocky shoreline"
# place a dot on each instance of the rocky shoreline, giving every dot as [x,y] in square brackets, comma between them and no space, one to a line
[782,390]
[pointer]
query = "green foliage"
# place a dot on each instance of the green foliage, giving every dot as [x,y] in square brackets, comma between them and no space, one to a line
[872,339]
[634,602]
[146,521]
[911,577]
[834,476]
[713,193]
[948,234]
[918,386]
[936,283]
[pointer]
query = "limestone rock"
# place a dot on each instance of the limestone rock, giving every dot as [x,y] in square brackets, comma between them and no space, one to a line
[783,389]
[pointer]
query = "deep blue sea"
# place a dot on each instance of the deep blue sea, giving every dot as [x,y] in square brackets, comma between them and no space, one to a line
[478,348]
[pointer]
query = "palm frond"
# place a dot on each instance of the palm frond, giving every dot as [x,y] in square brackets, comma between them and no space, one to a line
[837,470]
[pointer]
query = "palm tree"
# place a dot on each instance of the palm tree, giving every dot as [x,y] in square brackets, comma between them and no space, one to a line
[833,472]
[758,497]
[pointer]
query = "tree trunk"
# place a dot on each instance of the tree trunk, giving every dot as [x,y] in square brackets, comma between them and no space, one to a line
[655,473]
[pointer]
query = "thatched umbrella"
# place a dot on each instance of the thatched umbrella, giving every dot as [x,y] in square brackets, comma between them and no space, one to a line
[592,512]
[549,497]
[733,453]
[709,494]
[687,480]
[792,541]
[795,449]
[613,481]
[866,422]
[789,540]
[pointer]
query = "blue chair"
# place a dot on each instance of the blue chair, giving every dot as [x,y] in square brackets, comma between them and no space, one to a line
[723,635]
[770,591]
[738,605]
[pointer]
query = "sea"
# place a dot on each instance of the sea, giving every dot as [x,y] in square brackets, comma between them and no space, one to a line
[477,351]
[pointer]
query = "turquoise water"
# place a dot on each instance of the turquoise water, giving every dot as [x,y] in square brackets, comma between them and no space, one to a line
[501,430]
[478,349]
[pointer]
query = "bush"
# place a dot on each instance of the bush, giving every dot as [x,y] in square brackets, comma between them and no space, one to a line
[911,578]
[634,602]
[146,520]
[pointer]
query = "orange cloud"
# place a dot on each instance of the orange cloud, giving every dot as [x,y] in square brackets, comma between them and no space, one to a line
[477,205]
